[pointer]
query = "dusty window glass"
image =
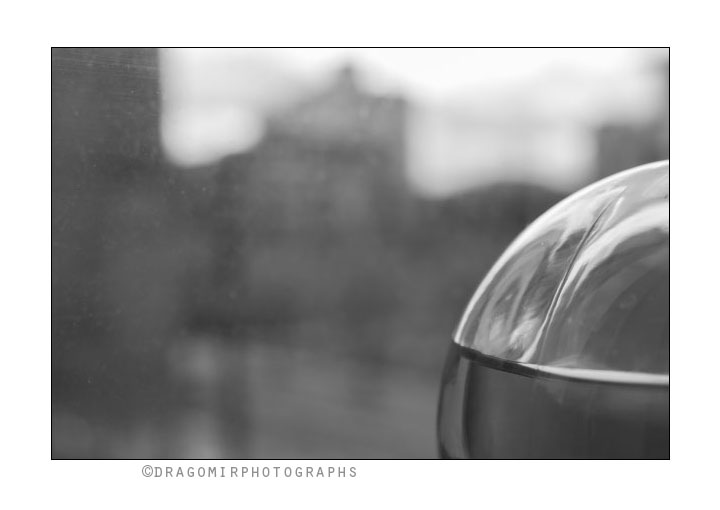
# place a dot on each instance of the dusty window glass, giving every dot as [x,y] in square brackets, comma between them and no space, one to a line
[263,253]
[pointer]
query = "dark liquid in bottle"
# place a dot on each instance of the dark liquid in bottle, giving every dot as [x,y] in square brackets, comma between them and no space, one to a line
[490,412]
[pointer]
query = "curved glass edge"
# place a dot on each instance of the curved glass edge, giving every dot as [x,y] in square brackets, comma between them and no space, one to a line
[485,408]
[510,310]
[547,371]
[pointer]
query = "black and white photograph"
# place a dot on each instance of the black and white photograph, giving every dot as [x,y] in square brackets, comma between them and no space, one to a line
[360,253]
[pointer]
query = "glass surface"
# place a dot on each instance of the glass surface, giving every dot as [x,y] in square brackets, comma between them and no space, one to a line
[587,285]
[613,311]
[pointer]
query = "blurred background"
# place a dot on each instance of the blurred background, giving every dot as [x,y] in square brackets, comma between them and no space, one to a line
[262,253]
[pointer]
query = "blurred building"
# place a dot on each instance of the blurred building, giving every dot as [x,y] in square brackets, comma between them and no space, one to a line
[333,163]
[623,145]
[325,187]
